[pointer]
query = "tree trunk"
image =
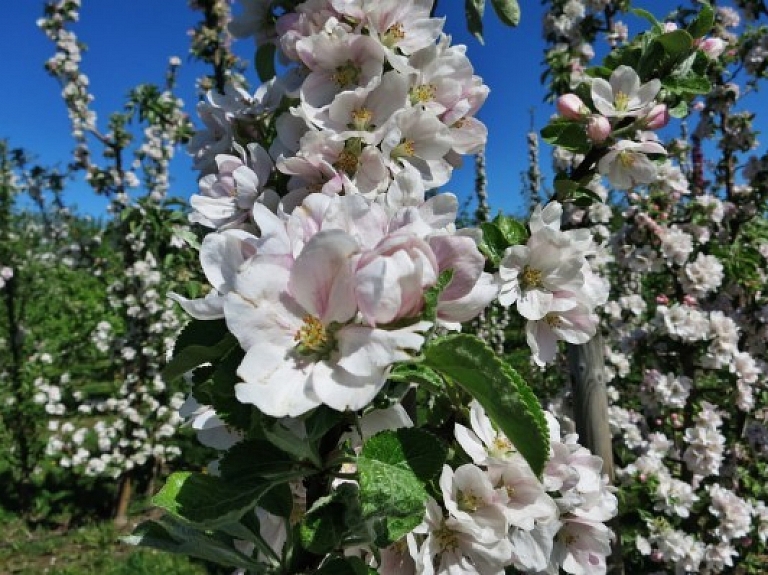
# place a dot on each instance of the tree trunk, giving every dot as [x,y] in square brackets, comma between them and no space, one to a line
[586,364]
[124,499]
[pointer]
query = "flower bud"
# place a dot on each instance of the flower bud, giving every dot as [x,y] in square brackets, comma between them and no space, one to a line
[598,128]
[657,118]
[571,107]
[670,26]
[712,47]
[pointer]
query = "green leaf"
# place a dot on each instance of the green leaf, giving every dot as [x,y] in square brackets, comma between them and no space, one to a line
[199,342]
[677,44]
[218,390]
[344,566]
[506,398]
[285,439]
[254,460]
[411,448]
[416,373]
[474,10]
[493,244]
[584,197]
[206,501]
[679,111]
[703,23]
[174,537]
[393,468]
[331,520]
[265,61]
[513,231]
[432,295]
[320,421]
[508,11]
[568,135]
[647,16]
[692,85]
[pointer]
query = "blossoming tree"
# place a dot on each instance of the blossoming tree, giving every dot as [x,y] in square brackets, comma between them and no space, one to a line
[355,431]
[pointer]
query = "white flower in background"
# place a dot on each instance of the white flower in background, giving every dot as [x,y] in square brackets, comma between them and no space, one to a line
[676,245]
[627,164]
[623,95]
[703,275]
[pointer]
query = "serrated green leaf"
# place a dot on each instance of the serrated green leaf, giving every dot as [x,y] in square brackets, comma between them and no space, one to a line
[703,23]
[506,398]
[513,231]
[393,468]
[410,448]
[206,501]
[265,61]
[416,373]
[493,244]
[568,135]
[474,9]
[508,11]
[173,537]
[691,85]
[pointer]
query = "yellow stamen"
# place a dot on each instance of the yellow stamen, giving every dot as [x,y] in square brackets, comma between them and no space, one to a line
[346,75]
[393,35]
[312,335]
[531,278]
[346,162]
[468,501]
[405,149]
[621,101]
[361,118]
[423,93]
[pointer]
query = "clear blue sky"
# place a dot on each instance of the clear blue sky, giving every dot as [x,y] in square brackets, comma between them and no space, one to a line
[130,43]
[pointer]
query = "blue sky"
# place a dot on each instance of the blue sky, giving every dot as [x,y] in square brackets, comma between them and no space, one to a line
[130,43]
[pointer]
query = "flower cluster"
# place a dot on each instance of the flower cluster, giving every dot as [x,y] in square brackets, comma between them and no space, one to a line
[552,284]
[497,513]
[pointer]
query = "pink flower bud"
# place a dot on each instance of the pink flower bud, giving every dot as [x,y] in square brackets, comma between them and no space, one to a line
[657,118]
[698,106]
[712,47]
[689,300]
[571,107]
[662,299]
[598,128]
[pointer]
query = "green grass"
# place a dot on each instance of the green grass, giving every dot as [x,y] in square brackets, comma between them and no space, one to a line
[88,550]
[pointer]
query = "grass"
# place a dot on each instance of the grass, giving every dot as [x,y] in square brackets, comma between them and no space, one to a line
[88,550]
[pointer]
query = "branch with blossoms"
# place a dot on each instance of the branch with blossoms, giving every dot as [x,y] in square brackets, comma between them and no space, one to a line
[143,231]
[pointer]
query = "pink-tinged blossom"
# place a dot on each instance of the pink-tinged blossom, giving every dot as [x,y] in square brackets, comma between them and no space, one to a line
[364,111]
[227,196]
[623,95]
[402,27]
[598,128]
[221,255]
[531,274]
[627,164]
[338,61]
[571,107]
[470,497]
[448,545]
[418,138]
[296,325]
[567,320]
